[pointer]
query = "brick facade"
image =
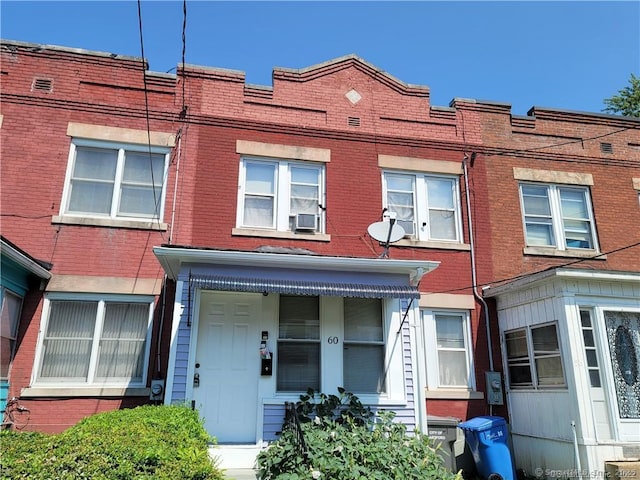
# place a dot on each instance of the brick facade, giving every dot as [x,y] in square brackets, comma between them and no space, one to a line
[310,108]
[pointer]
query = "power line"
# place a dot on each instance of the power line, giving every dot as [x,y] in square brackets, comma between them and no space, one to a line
[529,274]
[184,48]
[515,152]
[156,197]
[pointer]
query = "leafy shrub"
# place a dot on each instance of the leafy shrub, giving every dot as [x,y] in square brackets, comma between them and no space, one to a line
[334,407]
[159,442]
[341,447]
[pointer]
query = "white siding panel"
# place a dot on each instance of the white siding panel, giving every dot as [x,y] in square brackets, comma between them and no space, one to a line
[542,414]
[537,456]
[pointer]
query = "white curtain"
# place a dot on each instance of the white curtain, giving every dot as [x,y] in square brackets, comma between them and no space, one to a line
[67,343]
[400,192]
[452,354]
[69,340]
[305,190]
[122,345]
[259,196]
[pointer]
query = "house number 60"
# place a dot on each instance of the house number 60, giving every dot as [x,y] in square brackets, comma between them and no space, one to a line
[332,340]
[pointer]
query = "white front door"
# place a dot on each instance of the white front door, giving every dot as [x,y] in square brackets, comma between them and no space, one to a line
[228,365]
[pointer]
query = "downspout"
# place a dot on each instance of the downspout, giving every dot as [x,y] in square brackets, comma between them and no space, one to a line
[164,279]
[473,268]
[175,186]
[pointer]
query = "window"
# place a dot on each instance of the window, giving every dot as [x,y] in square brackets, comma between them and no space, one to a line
[11,307]
[557,216]
[590,348]
[281,195]
[115,181]
[518,359]
[426,206]
[364,350]
[298,356]
[546,355]
[533,357]
[95,341]
[452,350]
[448,336]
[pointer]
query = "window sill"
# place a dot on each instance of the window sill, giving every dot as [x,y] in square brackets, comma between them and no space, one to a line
[530,389]
[453,394]
[409,242]
[572,252]
[88,391]
[250,232]
[365,399]
[108,222]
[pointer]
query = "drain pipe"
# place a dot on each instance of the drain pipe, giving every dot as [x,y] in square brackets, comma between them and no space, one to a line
[473,268]
[576,449]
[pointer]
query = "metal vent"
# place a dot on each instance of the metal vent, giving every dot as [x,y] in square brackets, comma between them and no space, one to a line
[353,121]
[42,85]
[606,148]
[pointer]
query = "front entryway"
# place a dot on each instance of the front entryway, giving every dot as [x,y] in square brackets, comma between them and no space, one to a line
[228,362]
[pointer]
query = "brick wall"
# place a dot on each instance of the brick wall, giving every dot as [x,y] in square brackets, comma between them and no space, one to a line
[565,142]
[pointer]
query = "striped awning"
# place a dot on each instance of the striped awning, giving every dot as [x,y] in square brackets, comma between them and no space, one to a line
[303,287]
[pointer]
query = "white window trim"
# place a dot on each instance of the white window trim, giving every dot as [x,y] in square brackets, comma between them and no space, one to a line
[282,190]
[431,350]
[557,221]
[112,219]
[420,207]
[331,354]
[620,426]
[531,355]
[80,387]
[393,361]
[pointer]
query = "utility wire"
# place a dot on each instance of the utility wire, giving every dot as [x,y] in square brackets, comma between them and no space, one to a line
[515,152]
[528,274]
[184,49]
[156,197]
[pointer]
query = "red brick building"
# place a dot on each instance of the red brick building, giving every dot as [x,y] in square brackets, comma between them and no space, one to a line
[213,239]
[64,111]
[560,192]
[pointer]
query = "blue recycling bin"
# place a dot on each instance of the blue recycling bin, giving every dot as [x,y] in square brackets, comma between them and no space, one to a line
[487,439]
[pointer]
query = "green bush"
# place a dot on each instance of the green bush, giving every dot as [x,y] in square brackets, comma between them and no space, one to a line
[148,442]
[345,449]
[335,407]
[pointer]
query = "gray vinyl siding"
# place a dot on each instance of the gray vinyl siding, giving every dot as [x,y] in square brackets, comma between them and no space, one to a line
[274,413]
[183,340]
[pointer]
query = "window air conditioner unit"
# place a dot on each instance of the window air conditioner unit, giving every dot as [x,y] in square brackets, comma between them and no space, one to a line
[306,221]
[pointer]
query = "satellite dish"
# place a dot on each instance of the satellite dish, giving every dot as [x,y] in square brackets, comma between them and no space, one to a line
[386,231]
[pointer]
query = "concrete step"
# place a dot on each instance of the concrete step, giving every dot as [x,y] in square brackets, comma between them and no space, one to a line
[234,457]
[240,474]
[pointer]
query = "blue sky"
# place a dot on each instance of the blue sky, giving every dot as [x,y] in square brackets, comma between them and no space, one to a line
[567,55]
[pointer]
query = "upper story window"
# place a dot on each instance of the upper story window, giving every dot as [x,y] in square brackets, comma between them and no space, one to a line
[558,216]
[281,195]
[426,206]
[115,181]
[94,340]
